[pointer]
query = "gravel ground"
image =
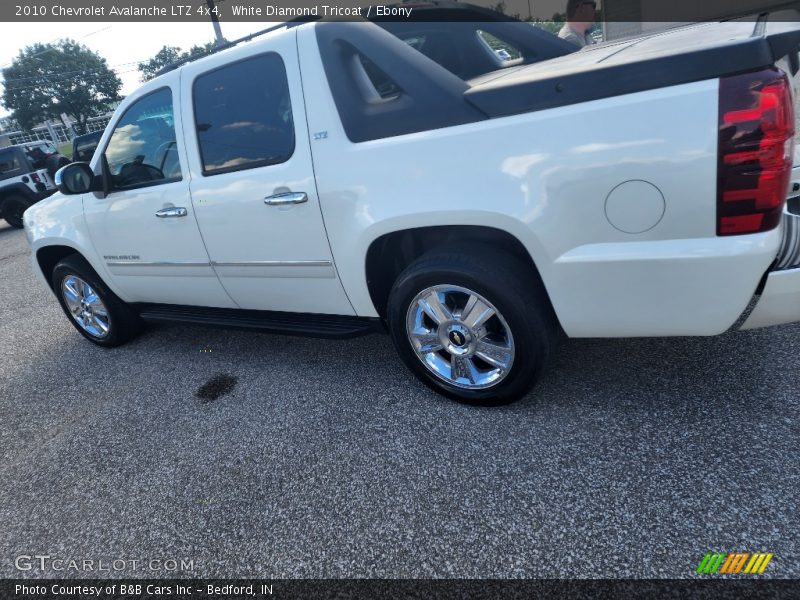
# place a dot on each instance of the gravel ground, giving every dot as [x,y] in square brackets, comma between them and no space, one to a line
[632,458]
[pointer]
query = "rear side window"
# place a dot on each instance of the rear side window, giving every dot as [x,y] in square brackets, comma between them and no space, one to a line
[243,115]
[502,49]
[8,162]
[439,46]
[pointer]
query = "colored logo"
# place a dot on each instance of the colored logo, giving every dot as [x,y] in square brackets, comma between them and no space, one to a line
[714,563]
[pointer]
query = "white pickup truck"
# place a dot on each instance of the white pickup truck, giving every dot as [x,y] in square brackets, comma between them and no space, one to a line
[332,177]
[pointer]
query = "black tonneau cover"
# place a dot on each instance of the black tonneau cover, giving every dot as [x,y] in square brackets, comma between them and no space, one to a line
[678,56]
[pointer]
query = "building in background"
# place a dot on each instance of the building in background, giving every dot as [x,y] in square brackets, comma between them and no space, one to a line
[58,132]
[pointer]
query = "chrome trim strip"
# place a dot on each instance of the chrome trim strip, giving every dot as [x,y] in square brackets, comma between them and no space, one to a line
[275,263]
[141,263]
[246,263]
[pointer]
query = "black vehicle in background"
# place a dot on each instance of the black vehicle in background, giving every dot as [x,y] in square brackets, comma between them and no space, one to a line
[83,146]
[27,174]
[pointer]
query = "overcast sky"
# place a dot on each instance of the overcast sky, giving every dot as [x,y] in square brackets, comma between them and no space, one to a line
[123,45]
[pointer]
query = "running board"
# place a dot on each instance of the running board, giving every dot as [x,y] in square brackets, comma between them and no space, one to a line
[286,323]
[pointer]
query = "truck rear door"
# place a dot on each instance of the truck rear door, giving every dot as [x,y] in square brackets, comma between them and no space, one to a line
[252,180]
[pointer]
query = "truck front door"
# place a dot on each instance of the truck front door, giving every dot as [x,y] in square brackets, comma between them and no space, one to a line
[144,230]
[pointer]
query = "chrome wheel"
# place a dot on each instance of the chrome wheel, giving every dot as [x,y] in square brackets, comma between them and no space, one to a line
[85,306]
[460,336]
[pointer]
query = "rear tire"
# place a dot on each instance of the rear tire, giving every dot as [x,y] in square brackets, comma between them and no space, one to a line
[472,323]
[13,208]
[95,311]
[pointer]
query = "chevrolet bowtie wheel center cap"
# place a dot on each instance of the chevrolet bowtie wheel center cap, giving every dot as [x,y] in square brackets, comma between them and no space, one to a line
[457,338]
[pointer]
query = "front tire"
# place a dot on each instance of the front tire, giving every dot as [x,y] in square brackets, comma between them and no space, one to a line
[13,208]
[95,311]
[472,323]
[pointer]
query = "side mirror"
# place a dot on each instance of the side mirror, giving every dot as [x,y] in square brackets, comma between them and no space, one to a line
[75,178]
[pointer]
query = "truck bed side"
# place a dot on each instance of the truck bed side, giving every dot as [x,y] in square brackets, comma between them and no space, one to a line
[547,178]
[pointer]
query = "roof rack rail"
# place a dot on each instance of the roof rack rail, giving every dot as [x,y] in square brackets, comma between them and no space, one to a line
[292,23]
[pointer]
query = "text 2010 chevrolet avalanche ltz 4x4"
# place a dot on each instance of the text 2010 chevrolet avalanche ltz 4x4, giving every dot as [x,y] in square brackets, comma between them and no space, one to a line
[331,177]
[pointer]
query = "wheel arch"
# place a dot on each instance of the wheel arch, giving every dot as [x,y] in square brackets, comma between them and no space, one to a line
[388,255]
[47,257]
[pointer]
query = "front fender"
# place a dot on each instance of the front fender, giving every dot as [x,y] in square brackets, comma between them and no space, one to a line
[59,221]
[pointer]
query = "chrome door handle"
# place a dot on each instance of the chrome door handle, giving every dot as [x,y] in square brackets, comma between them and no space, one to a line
[286,198]
[172,211]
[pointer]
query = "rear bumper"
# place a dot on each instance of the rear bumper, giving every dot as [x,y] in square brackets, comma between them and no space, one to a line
[779,302]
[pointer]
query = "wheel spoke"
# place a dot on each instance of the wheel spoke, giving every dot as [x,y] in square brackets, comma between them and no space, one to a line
[91,297]
[99,309]
[426,341]
[71,293]
[101,326]
[461,367]
[435,308]
[476,312]
[493,353]
[74,306]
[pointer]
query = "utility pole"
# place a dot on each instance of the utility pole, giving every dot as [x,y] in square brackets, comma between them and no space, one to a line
[215,22]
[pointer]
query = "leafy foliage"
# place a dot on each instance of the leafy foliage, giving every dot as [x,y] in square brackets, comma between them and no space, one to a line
[45,80]
[168,55]
[553,26]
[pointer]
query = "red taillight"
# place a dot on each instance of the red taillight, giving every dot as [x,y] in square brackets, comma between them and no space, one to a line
[756,141]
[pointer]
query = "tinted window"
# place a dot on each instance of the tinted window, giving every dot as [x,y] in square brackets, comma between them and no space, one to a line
[243,115]
[502,49]
[439,46]
[143,150]
[383,84]
[8,161]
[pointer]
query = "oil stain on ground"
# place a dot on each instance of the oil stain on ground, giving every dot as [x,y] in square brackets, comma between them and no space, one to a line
[216,387]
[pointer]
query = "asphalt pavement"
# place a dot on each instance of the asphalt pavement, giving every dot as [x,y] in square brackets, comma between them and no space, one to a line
[243,454]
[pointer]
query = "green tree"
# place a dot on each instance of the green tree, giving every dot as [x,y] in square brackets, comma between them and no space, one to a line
[45,80]
[168,55]
[165,56]
[554,25]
